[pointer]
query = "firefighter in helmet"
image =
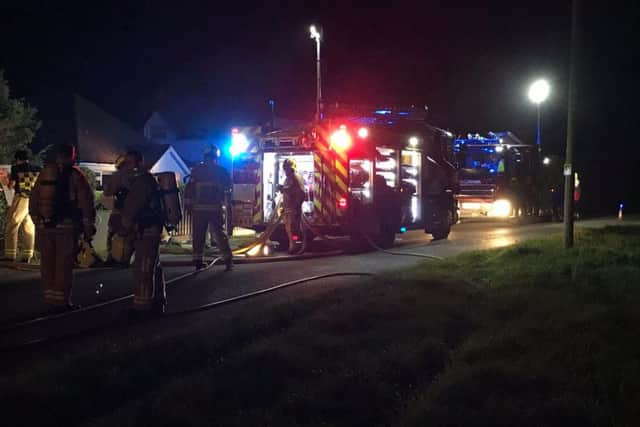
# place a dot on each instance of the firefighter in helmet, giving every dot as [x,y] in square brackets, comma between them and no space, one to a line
[142,219]
[62,207]
[23,177]
[292,197]
[205,195]
[118,187]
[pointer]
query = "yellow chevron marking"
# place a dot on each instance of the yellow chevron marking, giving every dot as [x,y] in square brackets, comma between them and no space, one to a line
[342,186]
[342,169]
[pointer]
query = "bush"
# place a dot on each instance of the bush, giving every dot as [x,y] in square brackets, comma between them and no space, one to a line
[91,177]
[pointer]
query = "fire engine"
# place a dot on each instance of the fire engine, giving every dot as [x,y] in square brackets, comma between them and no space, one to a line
[498,175]
[367,174]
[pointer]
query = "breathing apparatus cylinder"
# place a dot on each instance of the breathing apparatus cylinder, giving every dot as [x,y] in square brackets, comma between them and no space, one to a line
[170,197]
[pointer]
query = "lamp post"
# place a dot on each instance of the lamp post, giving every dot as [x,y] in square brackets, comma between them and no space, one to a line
[538,93]
[313,31]
[272,103]
[568,167]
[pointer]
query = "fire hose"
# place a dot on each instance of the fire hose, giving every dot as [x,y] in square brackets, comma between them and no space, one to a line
[204,307]
[370,241]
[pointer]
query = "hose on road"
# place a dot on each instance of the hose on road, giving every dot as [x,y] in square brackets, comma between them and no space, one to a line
[264,291]
[203,307]
[101,304]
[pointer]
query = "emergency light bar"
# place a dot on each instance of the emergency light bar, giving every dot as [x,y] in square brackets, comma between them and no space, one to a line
[376,115]
[492,138]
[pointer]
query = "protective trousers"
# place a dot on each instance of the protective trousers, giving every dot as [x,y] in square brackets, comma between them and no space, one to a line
[214,221]
[58,248]
[292,218]
[18,216]
[149,279]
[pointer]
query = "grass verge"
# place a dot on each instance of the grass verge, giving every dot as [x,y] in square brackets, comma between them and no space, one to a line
[527,335]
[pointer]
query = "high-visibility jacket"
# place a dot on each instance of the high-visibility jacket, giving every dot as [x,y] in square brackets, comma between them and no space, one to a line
[207,188]
[24,176]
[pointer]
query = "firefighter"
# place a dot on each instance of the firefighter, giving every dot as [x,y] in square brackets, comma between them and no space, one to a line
[62,207]
[205,195]
[292,198]
[142,219]
[23,177]
[118,188]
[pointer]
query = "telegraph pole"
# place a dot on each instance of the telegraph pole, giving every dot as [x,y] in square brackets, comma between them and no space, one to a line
[315,34]
[568,167]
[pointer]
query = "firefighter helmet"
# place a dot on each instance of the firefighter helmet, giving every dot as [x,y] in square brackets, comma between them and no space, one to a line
[211,150]
[67,151]
[289,164]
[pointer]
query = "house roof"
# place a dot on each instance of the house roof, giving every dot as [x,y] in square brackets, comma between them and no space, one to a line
[100,136]
[153,152]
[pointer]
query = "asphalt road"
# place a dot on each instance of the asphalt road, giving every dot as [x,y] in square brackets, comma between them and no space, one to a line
[21,298]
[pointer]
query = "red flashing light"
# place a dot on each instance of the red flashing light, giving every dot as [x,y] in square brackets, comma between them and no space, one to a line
[363,133]
[342,203]
[295,238]
[340,139]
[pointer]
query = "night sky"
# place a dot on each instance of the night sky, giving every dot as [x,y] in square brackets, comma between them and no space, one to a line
[212,66]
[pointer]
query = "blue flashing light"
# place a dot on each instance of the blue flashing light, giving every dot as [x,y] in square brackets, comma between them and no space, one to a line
[621,205]
[239,144]
[383,112]
[492,171]
[403,113]
[403,229]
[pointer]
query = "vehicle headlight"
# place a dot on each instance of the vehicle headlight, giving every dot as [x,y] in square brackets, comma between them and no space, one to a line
[501,208]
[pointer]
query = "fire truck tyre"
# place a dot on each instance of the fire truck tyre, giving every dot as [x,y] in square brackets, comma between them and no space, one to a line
[387,236]
[441,233]
[441,229]
[359,242]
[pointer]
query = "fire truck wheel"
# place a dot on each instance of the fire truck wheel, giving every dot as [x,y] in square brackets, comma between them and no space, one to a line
[441,233]
[387,236]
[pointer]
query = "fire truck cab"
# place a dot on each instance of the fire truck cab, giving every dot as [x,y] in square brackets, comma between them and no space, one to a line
[368,175]
[498,175]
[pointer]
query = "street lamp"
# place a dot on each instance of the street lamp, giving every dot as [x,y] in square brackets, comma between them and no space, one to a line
[313,31]
[538,93]
[272,103]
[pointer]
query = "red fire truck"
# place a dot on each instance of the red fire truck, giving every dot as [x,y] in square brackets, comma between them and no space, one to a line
[368,174]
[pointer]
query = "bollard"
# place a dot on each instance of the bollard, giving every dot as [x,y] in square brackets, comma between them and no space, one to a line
[620,212]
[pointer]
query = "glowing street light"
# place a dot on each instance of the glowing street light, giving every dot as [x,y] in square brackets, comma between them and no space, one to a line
[315,34]
[538,93]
